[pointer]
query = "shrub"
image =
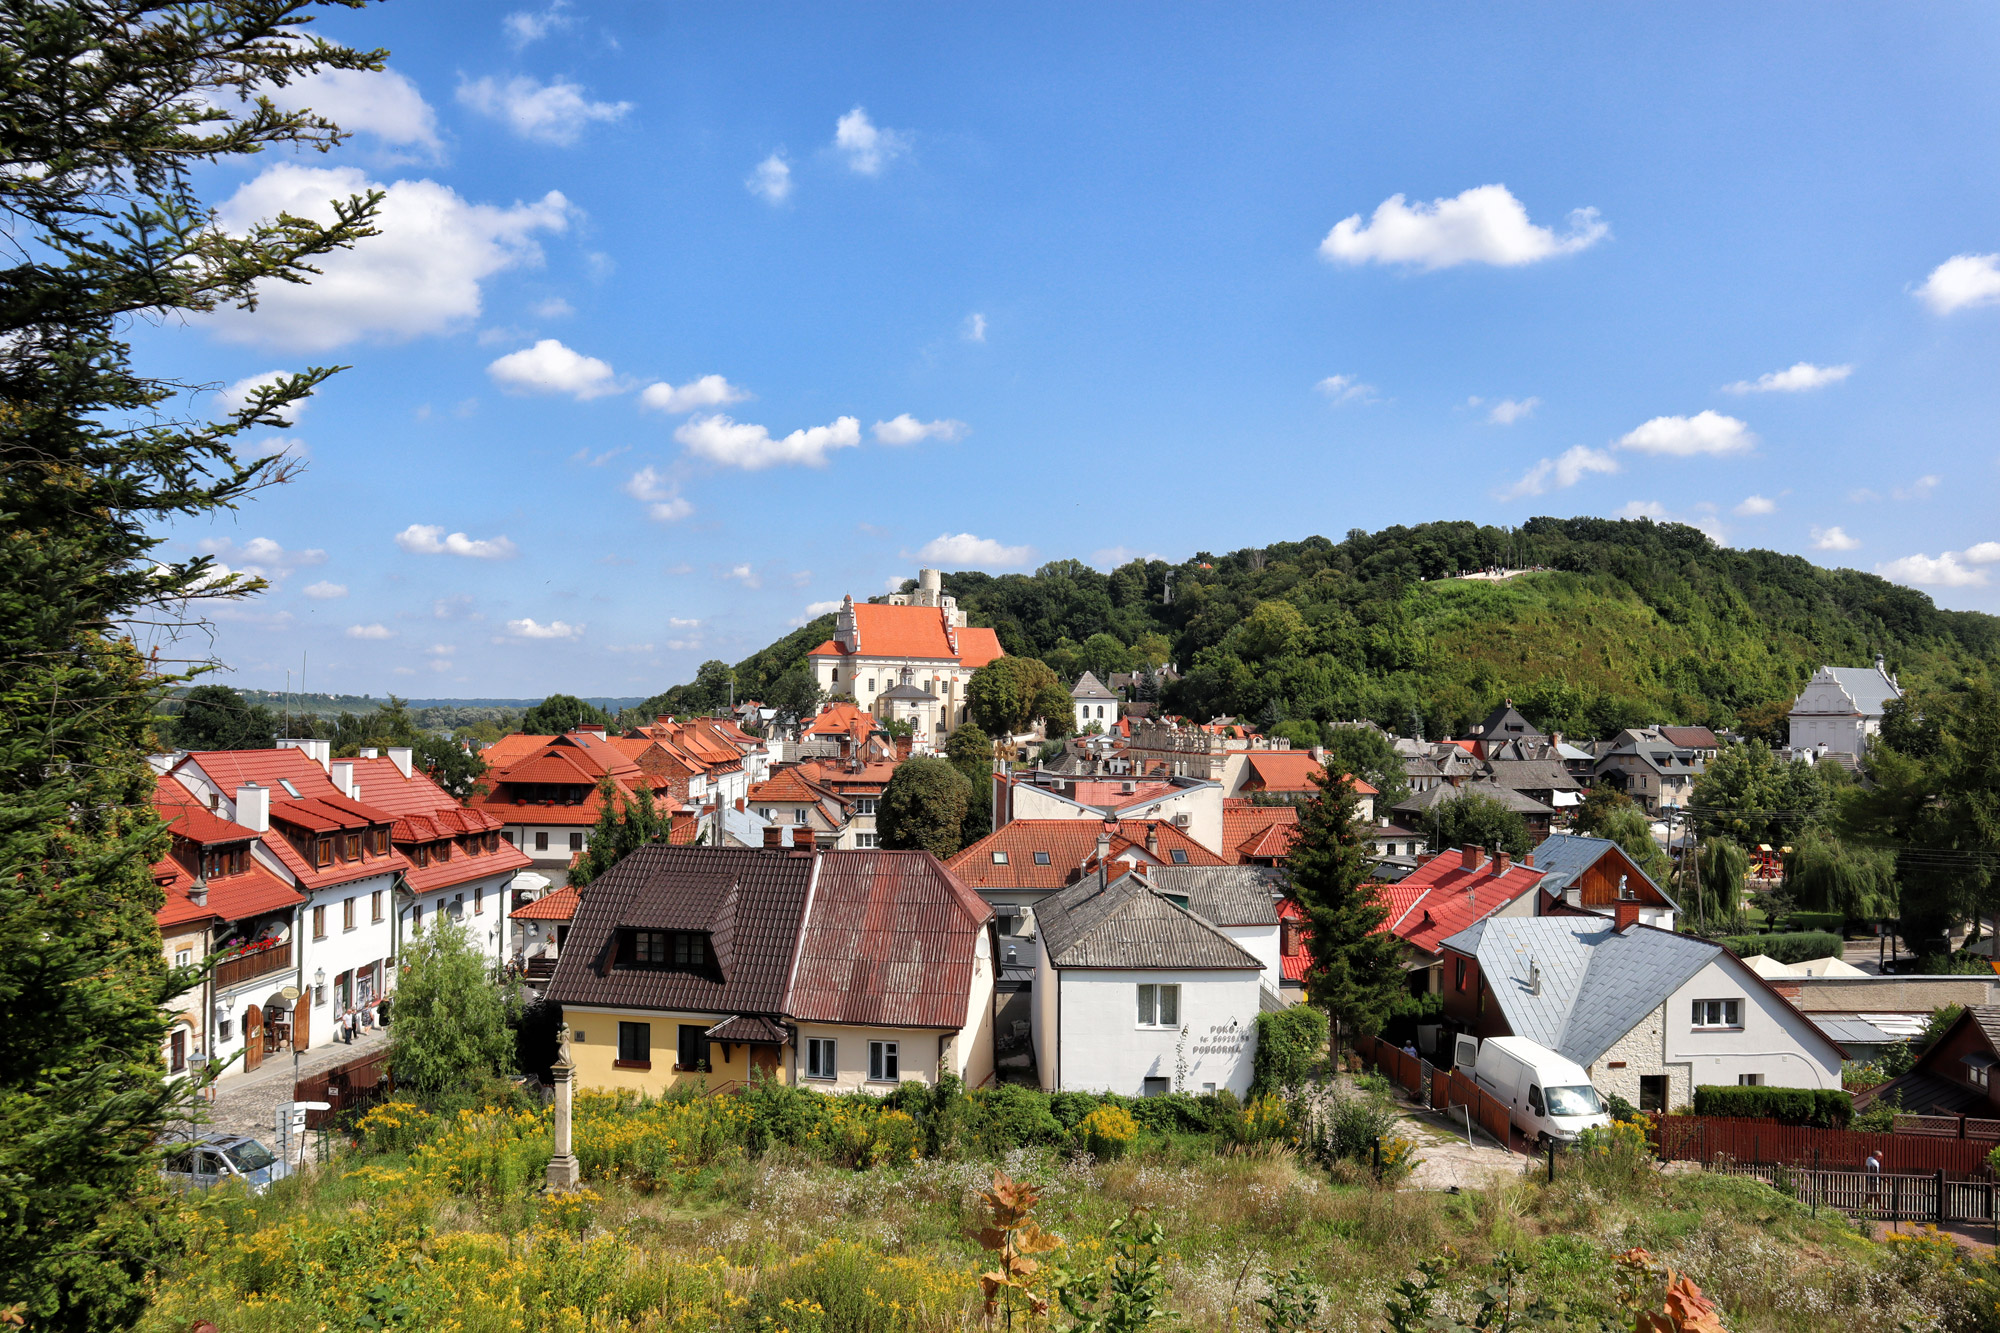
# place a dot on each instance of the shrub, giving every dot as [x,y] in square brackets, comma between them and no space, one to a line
[1011,1117]
[1623,1111]
[1175,1113]
[896,1138]
[1069,1108]
[1829,1108]
[1108,1131]
[1289,1042]
[1830,922]
[1880,1117]
[1798,947]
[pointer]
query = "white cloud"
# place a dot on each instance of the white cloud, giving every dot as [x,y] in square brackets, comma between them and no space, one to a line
[524,26]
[1652,509]
[379,102]
[1984,553]
[1113,556]
[660,493]
[370,632]
[1344,388]
[325,590]
[552,113]
[966,549]
[708,391]
[675,622]
[1920,489]
[1508,411]
[866,146]
[1707,432]
[555,629]
[442,649]
[236,397]
[1799,378]
[751,447]
[1753,505]
[974,329]
[1833,539]
[419,276]
[1959,283]
[744,575]
[262,558]
[906,429]
[814,610]
[430,539]
[1943,572]
[1484,225]
[772,180]
[1559,473]
[553,308]
[550,367]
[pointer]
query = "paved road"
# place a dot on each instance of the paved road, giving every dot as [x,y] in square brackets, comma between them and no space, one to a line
[1446,1161]
[248,1103]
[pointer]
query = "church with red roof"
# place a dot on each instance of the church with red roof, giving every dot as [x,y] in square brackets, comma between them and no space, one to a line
[913,655]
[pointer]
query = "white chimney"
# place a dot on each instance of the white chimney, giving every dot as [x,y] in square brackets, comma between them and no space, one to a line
[400,756]
[343,777]
[369,752]
[253,807]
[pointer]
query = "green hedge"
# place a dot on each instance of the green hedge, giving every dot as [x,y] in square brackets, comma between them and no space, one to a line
[1797,947]
[1827,1108]
[1831,922]
[1289,1042]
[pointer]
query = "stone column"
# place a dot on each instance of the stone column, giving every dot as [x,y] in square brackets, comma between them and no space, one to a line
[563,1173]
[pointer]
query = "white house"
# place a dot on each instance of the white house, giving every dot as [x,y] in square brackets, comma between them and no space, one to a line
[1135,994]
[917,640]
[1095,706]
[1240,900]
[1649,1014]
[1841,708]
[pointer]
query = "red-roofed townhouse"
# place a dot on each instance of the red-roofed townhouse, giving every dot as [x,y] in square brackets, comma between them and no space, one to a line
[546,795]
[1448,893]
[1193,805]
[1255,834]
[917,640]
[790,799]
[1017,866]
[336,853]
[861,785]
[221,899]
[1284,775]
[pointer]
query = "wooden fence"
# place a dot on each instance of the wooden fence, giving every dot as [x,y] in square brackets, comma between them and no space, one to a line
[1949,1127]
[1934,1198]
[354,1086]
[1444,1090]
[1706,1139]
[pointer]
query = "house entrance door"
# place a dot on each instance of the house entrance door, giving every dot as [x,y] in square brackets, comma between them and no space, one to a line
[253,1037]
[1653,1092]
[764,1059]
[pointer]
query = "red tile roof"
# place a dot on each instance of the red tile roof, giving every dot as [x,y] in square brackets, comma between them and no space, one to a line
[842,719]
[977,647]
[1069,844]
[230,769]
[787,785]
[557,906]
[1262,831]
[891,940]
[914,632]
[1441,898]
[1291,770]
[383,787]
[466,866]
[189,818]
[230,897]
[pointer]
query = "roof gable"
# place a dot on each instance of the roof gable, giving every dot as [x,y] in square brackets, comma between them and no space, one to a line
[1125,925]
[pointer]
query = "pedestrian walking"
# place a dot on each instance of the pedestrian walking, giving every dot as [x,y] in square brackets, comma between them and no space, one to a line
[1874,1169]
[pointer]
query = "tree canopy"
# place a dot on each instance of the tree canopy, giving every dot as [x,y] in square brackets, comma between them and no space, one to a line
[215,717]
[560,713]
[1368,754]
[923,807]
[623,826]
[971,753]
[449,1035]
[1008,693]
[1473,820]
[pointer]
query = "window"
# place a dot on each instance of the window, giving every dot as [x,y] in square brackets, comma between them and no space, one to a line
[1652,1092]
[350,847]
[184,958]
[347,914]
[882,1062]
[864,805]
[999,858]
[1179,855]
[378,841]
[1041,858]
[229,861]
[576,842]
[690,950]
[865,841]
[1460,974]
[319,994]
[820,1061]
[375,905]
[541,842]
[799,815]
[177,1052]
[635,1046]
[416,918]
[1749,1080]
[227,1029]
[290,790]
[871,684]
[1718,1013]
[478,901]
[1535,1099]
[693,1047]
[1159,1006]
[648,948]
[323,851]
[1157,1087]
[509,836]
[319,923]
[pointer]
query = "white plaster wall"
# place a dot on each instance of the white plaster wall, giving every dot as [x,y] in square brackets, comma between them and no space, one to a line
[344,950]
[1043,1004]
[917,1055]
[1775,1041]
[1031,802]
[1103,1048]
[559,849]
[1261,942]
[1203,807]
[489,929]
[1235,767]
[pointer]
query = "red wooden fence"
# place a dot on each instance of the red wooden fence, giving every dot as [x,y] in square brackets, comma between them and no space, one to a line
[1703,1138]
[354,1086]
[1449,1089]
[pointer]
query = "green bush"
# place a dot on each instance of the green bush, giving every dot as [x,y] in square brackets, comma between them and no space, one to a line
[1175,1113]
[1830,922]
[1011,1117]
[1828,1108]
[1795,947]
[1289,1042]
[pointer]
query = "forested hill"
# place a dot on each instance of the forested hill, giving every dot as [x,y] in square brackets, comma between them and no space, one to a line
[1629,622]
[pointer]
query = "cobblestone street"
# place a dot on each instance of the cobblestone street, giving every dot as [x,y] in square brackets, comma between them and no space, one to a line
[248,1103]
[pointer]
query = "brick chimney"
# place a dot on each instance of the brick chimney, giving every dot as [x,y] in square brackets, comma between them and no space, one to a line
[1628,913]
[1471,858]
[774,836]
[1529,860]
[1503,863]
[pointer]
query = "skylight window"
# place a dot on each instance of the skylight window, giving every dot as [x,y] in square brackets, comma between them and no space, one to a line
[1041,858]
[1179,855]
[290,790]
[999,858]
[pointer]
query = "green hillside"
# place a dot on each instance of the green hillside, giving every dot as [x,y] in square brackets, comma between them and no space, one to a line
[1626,622]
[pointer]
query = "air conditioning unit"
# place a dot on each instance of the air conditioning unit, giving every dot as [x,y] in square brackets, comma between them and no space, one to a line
[1183,819]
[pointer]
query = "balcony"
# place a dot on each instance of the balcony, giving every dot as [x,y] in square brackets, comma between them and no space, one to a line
[236,970]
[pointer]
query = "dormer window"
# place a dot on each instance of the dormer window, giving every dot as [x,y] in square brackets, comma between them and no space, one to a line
[378,841]
[666,950]
[322,851]
[350,849]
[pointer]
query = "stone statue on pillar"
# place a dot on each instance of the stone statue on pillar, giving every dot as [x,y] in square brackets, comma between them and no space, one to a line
[563,1173]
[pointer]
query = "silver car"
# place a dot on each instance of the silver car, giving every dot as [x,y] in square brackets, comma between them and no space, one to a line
[203,1163]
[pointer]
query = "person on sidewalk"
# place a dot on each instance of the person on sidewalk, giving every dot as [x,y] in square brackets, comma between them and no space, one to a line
[1874,1169]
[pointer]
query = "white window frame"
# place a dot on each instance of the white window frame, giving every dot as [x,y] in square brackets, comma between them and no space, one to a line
[1159,1006]
[865,841]
[884,1062]
[822,1058]
[1718,1015]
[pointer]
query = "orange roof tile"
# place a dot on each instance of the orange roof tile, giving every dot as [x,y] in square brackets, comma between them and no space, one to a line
[787,784]
[1441,898]
[1067,845]
[913,632]
[557,906]
[190,819]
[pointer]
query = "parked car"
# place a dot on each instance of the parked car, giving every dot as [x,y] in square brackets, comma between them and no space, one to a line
[199,1164]
[1548,1096]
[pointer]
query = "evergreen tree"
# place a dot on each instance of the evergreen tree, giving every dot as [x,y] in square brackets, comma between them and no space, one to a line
[1357,968]
[449,764]
[215,717]
[971,753]
[923,807]
[106,113]
[451,1032]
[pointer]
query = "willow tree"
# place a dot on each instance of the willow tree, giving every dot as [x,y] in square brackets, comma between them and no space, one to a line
[106,112]
[1824,874]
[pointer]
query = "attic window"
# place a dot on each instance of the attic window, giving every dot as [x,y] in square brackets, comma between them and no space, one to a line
[1041,858]
[999,858]
[1179,855]
[290,790]
[672,950]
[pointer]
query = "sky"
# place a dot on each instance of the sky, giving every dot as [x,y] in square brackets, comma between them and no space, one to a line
[685,321]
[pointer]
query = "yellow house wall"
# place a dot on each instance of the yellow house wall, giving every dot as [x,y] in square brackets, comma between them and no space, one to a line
[594,1049]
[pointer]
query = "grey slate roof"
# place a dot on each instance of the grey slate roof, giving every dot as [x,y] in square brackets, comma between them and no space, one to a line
[1532,775]
[1090,687]
[1226,895]
[1507,796]
[1867,686]
[1597,983]
[1125,925]
[1566,855]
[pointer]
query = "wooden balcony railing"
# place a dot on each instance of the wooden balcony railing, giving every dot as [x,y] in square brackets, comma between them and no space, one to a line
[244,967]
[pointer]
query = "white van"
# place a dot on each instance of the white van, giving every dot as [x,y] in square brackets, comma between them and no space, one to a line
[1548,1096]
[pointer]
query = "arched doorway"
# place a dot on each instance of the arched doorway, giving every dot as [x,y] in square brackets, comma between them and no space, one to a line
[253,1037]
[277,1023]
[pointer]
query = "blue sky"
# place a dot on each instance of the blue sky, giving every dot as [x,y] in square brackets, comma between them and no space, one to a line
[685,322]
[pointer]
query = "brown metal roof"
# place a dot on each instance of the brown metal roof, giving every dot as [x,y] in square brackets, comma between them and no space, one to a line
[891,941]
[750,900]
[749,1027]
